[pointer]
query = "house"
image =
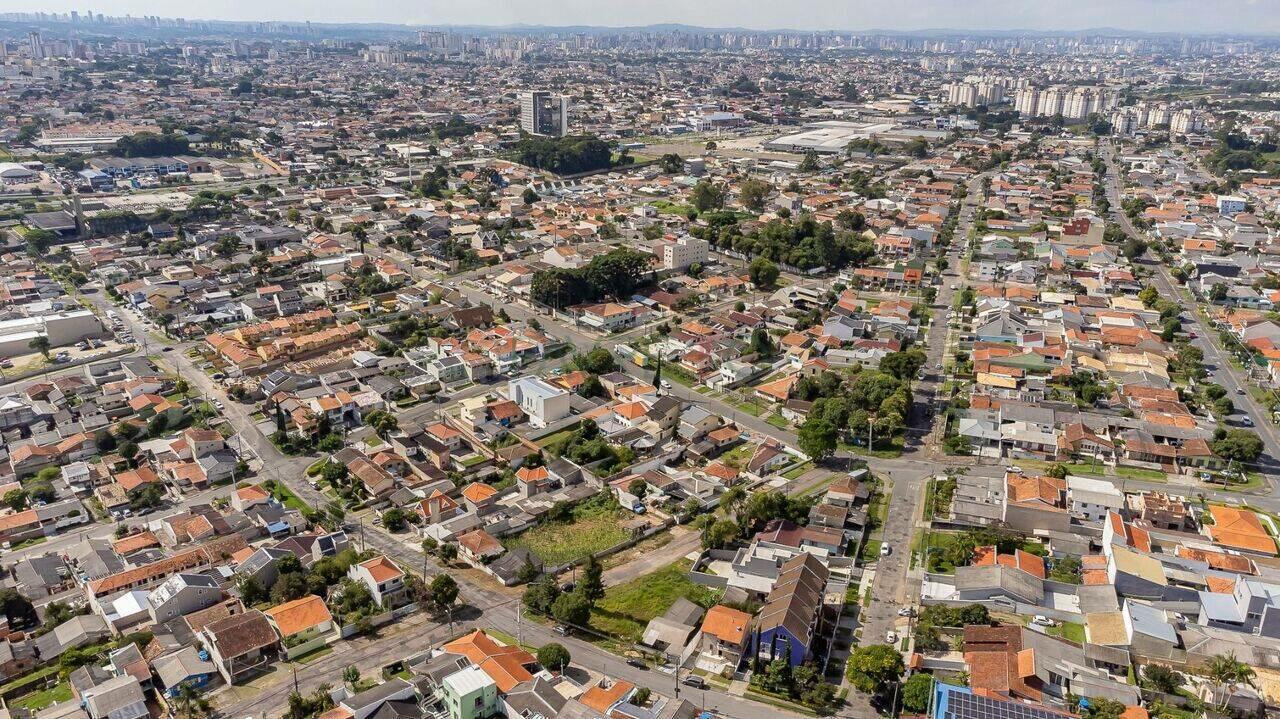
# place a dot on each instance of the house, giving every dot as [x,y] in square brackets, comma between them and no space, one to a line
[384,579]
[725,632]
[187,666]
[478,547]
[119,697]
[240,644]
[1091,499]
[470,694]
[1241,530]
[303,624]
[788,623]
[182,594]
[542,403]
[670,632]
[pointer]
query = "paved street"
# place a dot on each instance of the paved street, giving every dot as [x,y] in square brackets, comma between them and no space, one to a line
[1217,361]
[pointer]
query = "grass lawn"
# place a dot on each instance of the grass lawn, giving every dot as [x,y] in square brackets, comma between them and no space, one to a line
[313,655]
[627,608]
[1142,474]
[556,436]
[935,549]
[870,550]
[1253,481]
[738,456]
[286,497]
[753,407]
[593,529]
[1069,631]
[29,542]
[798,470]
[28,679]
[778,421]
[36,701]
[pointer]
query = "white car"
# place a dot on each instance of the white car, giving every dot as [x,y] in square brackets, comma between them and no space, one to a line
[907,612]
[1041,620]
[891,637]
[885,549]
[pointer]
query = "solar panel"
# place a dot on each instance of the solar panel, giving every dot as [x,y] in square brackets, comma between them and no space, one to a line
[963,705]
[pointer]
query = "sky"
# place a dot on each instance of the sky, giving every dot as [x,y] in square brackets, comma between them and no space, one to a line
[1206,16]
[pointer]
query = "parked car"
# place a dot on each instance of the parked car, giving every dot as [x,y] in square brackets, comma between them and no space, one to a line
[885,549]
[561,630]
[1041,620]
[637,663]
[694,681]
[907,612]
[891,637]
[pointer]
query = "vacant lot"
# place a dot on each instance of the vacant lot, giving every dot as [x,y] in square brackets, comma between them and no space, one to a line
[594,527]
[627,608]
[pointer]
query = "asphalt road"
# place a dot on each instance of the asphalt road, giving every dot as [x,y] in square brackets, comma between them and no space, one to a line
[1222,372]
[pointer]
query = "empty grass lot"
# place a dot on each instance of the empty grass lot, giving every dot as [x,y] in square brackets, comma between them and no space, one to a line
[594,527]
[627,608]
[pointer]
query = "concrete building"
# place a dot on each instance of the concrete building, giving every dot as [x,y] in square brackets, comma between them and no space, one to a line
[543,113]
[684,252]
[61,329]
[540,401]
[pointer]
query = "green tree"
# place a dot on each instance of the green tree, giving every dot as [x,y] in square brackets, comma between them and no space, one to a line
[874,666]
[553,656]
[572,609]
[1162,678]
[1149,296]
[444,593]
[592,584]
[41,345]
[1240,445]
[917,692]
[817,438]
[190,703]
[351,677]
[810,162]
[382,422]
[753,193]
[763,273]
[707,195]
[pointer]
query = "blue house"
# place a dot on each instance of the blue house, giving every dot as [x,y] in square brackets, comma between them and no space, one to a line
[791,618]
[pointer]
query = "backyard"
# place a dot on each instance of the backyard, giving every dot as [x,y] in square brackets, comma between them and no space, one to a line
[595,525]
[627,608]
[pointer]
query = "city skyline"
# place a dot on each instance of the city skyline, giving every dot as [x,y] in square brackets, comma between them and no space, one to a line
[1169,16]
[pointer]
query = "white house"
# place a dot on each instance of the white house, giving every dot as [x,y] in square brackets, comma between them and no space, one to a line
[541,402]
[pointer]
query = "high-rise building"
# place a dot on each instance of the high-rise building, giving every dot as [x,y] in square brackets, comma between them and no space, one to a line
[544,113]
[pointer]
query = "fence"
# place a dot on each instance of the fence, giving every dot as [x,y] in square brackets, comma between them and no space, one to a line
[379,620]
[635,539]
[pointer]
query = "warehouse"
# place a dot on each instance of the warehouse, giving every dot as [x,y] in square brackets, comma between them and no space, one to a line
[62,328]
[832,136]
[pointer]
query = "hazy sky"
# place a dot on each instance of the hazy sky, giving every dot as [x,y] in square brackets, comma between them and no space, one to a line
[1257,16]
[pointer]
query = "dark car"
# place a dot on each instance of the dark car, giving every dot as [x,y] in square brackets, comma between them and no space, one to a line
[637,663]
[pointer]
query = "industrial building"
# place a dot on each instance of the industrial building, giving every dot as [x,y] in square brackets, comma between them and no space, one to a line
[832,136]
[62,328]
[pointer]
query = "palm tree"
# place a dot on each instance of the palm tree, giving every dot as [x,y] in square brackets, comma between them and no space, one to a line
[190,704]
[1227,672]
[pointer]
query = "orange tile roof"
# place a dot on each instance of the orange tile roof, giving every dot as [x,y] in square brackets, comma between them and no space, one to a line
[602,699]
[134,542]
[478,491]
[299,615]
[382,569]
[1240,529]
[726,624]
